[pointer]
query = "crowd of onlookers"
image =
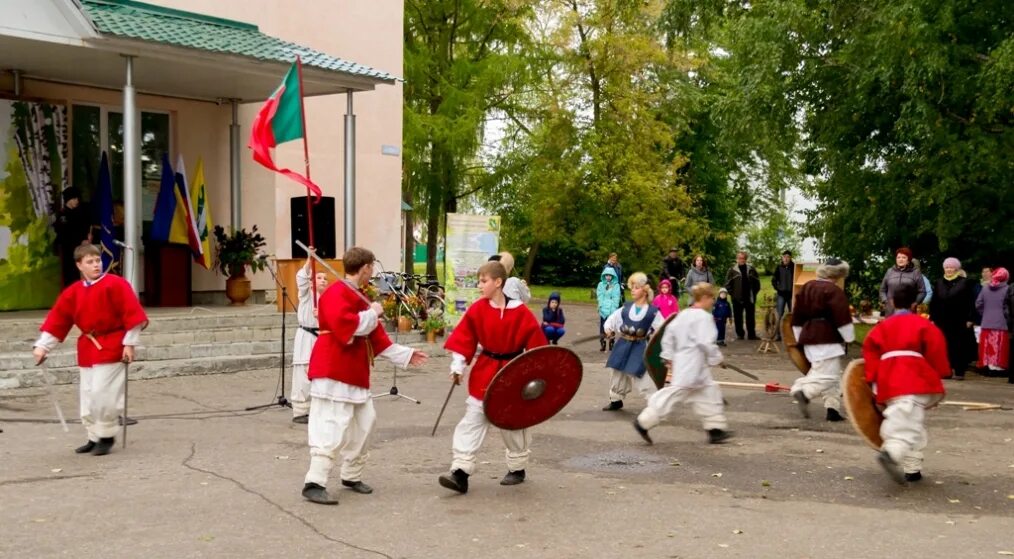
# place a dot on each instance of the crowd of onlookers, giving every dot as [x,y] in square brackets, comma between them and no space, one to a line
[976,317]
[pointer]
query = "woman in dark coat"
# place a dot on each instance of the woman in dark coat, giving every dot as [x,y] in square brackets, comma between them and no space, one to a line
[952,309]
[904,271]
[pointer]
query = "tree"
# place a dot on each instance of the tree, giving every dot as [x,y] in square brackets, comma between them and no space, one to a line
[767,238]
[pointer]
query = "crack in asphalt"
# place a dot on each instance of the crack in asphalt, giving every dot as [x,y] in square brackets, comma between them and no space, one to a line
[300,519]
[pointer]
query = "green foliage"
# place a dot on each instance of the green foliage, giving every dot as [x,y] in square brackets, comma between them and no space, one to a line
[237,250]
[769,237]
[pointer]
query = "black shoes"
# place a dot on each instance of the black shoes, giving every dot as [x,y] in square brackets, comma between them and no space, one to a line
[456,481]
[613,405]
[602,345]
[721,343]
[103,446]
[643,432]
[611,342]
[802,402]
[718,436]
[301,419]
[513,478]
[317,494]
[833,415]
[753,337]
[891,467]
[358,487]
[85,448]
[917,476]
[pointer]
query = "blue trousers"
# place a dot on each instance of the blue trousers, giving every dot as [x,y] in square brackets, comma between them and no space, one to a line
[553,333]
[720,325]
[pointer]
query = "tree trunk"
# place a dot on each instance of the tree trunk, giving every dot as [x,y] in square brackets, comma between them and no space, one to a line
[533,251]
[406,196]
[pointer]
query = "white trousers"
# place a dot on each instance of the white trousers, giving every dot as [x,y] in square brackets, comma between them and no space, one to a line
[706,402]
[824,379]
[300,396]
[471,431]
[102,399]
[620,384]
[339,428]
[903,431]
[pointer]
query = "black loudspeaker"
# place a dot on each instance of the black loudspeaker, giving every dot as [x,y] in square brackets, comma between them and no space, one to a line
[323,226]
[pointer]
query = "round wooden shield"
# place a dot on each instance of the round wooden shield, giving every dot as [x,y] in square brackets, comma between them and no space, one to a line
[792,349]
[861,404]
[533,387]
[653,355]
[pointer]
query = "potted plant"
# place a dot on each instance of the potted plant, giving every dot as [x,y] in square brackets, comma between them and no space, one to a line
[434,323]
[236,251]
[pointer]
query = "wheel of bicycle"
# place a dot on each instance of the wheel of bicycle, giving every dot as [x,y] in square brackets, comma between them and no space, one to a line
[435,303]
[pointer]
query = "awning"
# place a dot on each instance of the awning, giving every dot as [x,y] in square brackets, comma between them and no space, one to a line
[179,53]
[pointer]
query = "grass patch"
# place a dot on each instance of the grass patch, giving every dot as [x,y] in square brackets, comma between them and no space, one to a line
[540,294]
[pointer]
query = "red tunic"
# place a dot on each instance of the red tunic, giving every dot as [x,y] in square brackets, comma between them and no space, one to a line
[333,355]
[103,311]
[906,375]
[510,331]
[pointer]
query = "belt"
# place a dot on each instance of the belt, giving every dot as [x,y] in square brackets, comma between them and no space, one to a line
[900,353]
[501,356]
[369,344]
[92,337]
[630,338]
[313,331]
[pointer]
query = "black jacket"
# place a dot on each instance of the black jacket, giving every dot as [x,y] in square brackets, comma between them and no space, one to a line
[781,280]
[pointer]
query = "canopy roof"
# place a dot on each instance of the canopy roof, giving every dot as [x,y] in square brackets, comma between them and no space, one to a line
[179,53]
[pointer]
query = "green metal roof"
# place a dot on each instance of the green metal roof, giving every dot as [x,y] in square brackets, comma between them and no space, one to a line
[156,24]
[405,207]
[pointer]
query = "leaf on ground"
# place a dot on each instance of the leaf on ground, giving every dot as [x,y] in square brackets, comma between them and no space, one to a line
[953,501]
[737,531]
[56,470]
[849,478]
[281,457]
[765,483]
[207,538]
[820,451]
[719,474]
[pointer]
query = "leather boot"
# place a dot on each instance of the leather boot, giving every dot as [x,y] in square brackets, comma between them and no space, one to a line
[833,415]
[643,432]
[718,436]
[358,487]
[85,448]
[103,446]
[316,493]
[513,478]
[613,405]
[456,481]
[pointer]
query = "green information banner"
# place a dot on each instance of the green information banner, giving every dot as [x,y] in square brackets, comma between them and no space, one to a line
[471,240]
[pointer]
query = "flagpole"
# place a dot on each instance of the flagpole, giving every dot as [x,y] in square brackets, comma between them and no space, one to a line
[306,162]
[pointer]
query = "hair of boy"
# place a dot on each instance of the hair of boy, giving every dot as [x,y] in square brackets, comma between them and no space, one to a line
[639,279]
[904,296]
[493,270]
[355,258]
[507,259]
[86,249]
[494,258]
[701,290]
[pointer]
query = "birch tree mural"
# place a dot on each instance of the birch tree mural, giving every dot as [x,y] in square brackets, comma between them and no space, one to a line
[33,175]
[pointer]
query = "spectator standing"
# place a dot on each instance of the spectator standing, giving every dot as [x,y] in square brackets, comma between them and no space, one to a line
[698,273]
[614,263]
[953,311]
[782,281]
[607,294]
[73,228]
[994,341]
[673,270]
[743,284]
[903,272]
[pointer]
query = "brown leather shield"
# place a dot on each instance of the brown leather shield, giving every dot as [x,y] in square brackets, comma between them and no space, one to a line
[793,349]
[532,387]
[653,355]
[861,404]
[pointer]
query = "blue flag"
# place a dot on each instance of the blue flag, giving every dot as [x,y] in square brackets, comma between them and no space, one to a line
[165,204]
[110,251]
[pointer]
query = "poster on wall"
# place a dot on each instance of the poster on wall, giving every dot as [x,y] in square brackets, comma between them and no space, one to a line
[33,176]
[471,240]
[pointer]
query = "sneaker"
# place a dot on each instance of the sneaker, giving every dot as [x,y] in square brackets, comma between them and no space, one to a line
[316,493]
[891,467]
[718,436]
[643,432]
[358,487]
[721,343]
[833,415]
[301,419]
[456,480]
[613,405]
[915,476]
[85,448]
[802,402]
[513,478]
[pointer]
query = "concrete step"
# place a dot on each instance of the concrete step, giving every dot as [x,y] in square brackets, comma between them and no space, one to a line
[162,339]
[160,323]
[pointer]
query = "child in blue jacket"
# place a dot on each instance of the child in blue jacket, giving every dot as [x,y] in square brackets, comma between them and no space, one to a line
[608,296]
[722,312]
[553,319]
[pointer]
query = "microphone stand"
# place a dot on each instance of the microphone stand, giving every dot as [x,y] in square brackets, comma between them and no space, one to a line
[393,392]
[124,420]
[281,401]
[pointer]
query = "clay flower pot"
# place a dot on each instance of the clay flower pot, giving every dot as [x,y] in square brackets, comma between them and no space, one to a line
[404,324]
[237,288]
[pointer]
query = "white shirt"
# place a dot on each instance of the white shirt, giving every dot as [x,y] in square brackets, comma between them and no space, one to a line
[690,344]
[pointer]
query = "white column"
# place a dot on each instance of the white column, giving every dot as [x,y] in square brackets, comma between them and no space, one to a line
[235,186]
[350,174]
[131,176]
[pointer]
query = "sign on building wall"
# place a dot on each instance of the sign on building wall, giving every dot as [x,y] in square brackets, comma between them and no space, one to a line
[471,240]
[33,176]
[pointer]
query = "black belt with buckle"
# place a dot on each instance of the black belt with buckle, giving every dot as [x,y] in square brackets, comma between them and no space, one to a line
[314,331]
[501,356]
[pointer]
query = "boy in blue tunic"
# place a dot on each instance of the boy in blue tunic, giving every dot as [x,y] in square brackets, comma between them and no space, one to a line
[632,326]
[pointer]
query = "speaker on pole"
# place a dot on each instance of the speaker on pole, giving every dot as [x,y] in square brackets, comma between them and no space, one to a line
[323,226]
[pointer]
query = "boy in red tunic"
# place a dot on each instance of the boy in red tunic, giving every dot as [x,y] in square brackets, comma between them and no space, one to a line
[505,328]
[341,407]
[906,356]
[106,310]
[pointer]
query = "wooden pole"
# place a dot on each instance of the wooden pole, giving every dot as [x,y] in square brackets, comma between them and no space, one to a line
[306,162]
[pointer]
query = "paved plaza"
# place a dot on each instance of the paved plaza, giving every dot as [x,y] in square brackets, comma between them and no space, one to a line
[201,479]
